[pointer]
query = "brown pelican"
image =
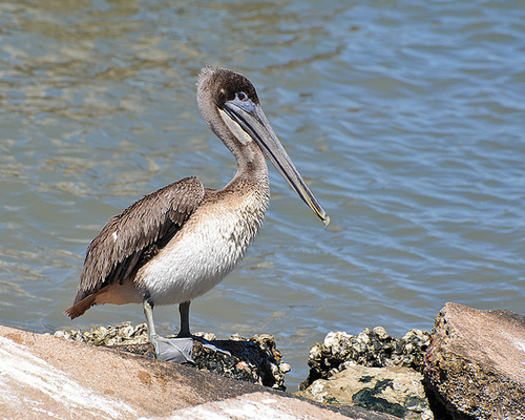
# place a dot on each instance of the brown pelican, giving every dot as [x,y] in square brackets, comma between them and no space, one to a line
[178,242]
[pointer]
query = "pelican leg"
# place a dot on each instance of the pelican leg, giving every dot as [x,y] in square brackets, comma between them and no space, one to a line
[176,350]
[184,310]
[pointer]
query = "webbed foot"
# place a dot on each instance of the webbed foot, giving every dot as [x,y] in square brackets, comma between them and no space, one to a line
[175,350]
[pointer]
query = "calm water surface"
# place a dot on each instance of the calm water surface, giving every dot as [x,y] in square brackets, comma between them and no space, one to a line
[406,118]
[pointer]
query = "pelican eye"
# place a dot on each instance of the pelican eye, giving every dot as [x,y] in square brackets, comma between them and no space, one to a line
[242,96]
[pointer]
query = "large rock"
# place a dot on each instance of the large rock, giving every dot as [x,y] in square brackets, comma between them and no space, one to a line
[475,365]
[45,377]
[394,390]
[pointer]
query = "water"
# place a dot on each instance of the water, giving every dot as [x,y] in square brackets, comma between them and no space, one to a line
[407,119]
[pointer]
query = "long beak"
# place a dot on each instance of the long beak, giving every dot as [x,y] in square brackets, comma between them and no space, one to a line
[253,121]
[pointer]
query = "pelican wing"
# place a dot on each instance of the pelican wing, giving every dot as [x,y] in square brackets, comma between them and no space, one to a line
[132,238]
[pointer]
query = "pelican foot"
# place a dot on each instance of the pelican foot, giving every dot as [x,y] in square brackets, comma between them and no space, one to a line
[208,345]
[175,350]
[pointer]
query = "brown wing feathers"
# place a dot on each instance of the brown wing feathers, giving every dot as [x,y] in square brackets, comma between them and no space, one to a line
[132,238]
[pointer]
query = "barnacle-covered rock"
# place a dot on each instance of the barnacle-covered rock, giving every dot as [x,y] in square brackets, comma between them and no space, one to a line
[373,348]
[255,360]
[344,372]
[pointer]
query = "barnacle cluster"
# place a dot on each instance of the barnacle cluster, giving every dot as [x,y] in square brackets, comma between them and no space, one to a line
[373,348]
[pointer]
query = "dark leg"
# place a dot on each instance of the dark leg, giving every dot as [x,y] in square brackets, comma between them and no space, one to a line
[184,310]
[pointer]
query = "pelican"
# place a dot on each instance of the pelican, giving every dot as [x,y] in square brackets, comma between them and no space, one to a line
[177,243]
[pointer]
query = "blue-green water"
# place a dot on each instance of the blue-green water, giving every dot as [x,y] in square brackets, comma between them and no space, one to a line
[406,118]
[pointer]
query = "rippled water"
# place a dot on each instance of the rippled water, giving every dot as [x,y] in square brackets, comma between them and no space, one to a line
[407,119]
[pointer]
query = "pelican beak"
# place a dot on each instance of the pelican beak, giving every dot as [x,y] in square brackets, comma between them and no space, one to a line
[252,120]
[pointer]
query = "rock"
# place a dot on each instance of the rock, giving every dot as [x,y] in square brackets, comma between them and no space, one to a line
[42,376]
[370,348]
[475,365]
[393,390]
[255,360]
[371,370]
[261,406]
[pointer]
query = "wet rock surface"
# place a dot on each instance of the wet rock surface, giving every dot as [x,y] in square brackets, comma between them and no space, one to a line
[372,348]
[475,365]
[255,360]
[397,391]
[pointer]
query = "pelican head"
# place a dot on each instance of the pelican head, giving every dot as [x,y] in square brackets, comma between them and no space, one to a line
[230,106]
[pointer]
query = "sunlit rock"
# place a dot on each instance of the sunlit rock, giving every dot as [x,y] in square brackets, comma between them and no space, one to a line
[475,365]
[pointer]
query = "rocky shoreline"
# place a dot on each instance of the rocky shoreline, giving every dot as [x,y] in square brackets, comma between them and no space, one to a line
[471,366]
